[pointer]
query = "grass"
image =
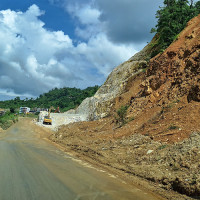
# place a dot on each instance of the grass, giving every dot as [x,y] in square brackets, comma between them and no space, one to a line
[145,69]
[7,120]
[131,119]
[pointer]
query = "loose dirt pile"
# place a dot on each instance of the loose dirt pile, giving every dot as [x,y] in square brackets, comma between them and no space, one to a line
[171,166]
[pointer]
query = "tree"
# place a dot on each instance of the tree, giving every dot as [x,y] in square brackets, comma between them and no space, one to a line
[17,99]
[12,110]
[65,98]
[197,6]
[191,3]
[172,19]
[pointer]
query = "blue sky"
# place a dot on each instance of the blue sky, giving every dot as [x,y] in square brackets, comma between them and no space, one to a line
[68,43]
[55,17]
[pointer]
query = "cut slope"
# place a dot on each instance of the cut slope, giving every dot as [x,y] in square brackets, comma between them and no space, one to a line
[168,102]
[164,105]
[101,104]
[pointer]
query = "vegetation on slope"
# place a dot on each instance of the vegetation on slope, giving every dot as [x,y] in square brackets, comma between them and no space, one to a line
[7,120]
[65,98]
[172,19]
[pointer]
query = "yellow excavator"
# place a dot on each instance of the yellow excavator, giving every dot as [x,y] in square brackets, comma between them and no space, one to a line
[47,118]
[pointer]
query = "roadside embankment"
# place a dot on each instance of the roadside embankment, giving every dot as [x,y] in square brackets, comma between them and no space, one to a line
[152,129]
[7,120]
[172,167]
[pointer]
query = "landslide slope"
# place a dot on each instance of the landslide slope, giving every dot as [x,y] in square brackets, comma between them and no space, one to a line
[101,104]
[159,140]
[167,103]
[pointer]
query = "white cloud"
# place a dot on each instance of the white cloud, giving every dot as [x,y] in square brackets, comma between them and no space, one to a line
[88,24]
[101,52]
[122,21]
[85,14]
[34,60]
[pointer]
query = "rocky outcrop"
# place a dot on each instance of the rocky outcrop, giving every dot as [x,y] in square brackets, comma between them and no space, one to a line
[176,72]
[100,105]
[160,141]
[164,103]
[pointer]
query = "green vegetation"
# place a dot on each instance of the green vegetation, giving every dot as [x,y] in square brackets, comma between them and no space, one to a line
[7,120]
[172,19]
[29,115]
[173,127]
[121,115]
[65,98]
[162,147]
[12,110]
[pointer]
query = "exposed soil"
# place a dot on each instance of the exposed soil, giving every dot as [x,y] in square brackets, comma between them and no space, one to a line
[160,141]
[170,166]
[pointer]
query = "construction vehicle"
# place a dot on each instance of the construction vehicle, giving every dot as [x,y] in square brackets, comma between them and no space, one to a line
[47,118]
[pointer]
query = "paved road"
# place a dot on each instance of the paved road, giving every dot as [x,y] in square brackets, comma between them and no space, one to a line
[33,169]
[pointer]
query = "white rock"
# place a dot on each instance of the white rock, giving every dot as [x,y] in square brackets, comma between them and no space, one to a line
[149,151]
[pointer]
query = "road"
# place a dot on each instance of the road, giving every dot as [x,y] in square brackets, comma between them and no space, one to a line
[34,169]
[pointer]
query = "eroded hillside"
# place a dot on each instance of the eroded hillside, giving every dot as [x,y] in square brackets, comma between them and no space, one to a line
[159,139]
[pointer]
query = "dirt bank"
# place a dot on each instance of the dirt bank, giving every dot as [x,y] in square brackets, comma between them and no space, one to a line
[44,133]
[167,167]
[160,141]
[158,137]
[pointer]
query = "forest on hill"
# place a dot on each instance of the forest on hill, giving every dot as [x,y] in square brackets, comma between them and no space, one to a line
[66,98]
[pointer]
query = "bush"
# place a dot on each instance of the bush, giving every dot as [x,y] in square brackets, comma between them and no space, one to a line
[7,120]
[121,115]
[12,110]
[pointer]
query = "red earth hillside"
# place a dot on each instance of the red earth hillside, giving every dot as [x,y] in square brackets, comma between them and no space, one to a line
[165,102]
[163,110]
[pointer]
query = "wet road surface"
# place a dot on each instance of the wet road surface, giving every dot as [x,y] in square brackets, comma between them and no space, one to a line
[33,169]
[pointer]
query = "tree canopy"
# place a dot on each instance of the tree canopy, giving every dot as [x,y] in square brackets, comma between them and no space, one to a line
[66,98]
[172,19]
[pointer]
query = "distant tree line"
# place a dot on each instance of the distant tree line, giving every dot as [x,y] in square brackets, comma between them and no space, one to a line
[172,19]
[66,98]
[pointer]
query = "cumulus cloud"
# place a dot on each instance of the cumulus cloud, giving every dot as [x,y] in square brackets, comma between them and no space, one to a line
[128,21]
[34,60]
[86,14]
[123,22]
[88,24]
